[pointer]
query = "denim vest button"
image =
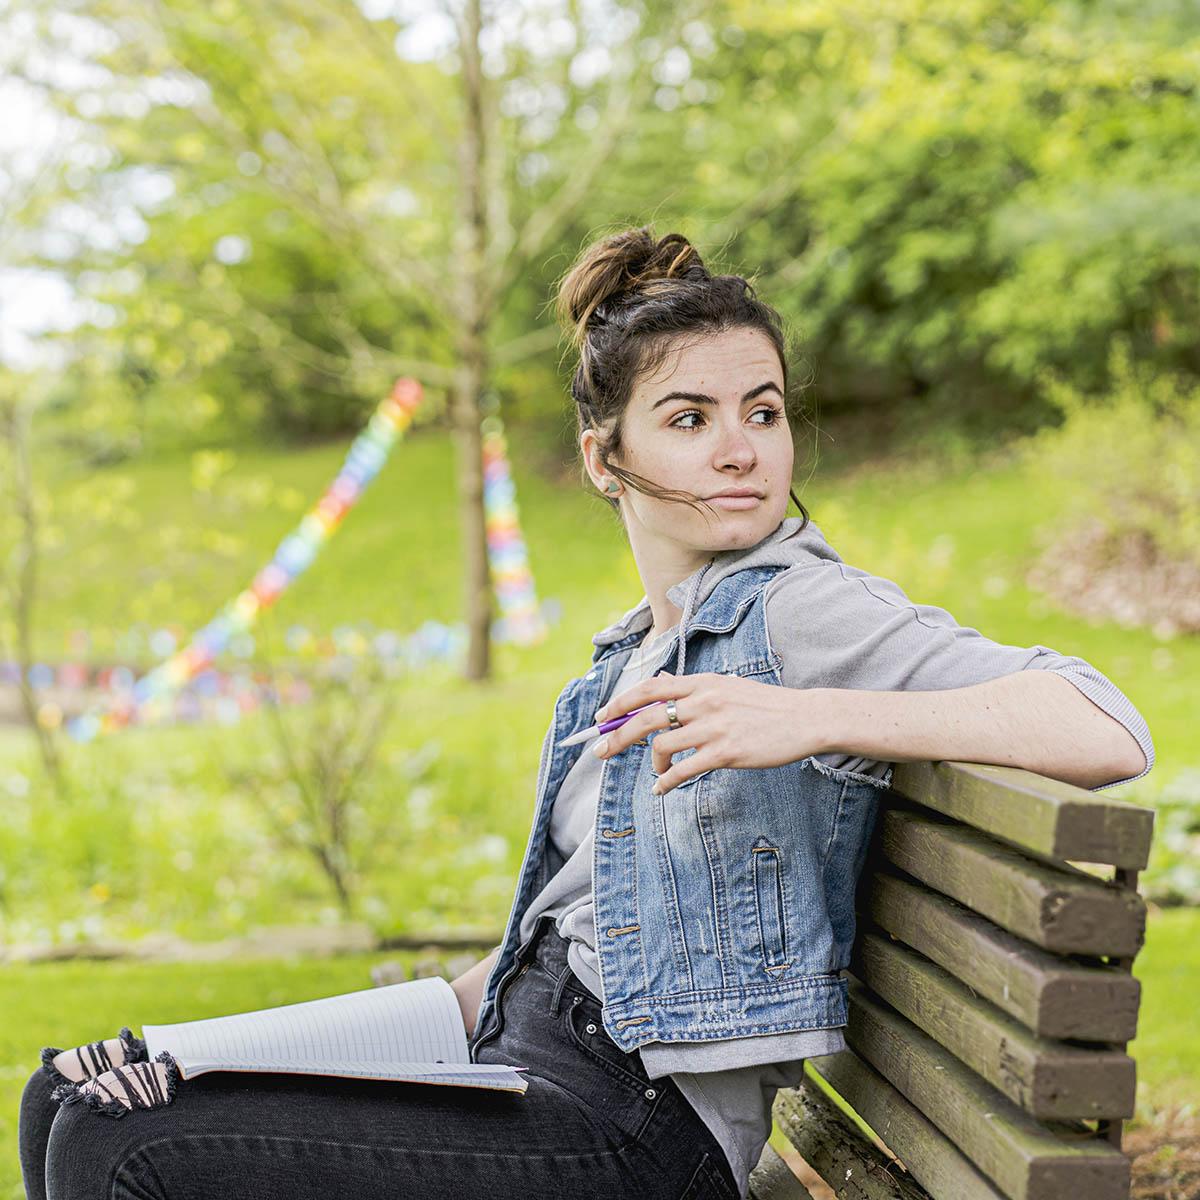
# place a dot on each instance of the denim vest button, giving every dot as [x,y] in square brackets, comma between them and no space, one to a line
[590,676]
[590,1027]
[650,1093]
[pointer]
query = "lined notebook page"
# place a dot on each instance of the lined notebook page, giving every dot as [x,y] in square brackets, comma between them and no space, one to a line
[418,1021]
[495,1076]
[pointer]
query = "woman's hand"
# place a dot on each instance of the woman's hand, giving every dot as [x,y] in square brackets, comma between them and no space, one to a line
[731,722]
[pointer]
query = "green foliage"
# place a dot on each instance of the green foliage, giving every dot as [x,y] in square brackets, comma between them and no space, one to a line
[1173,876]
[944,199]
[1130,459]
[317,784]
[979,192]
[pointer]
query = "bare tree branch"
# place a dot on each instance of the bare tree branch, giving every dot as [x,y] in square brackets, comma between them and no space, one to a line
[526,346]
[625,99]
[362,349]
[422,110]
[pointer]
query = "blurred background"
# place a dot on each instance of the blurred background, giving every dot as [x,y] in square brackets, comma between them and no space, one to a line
[227,227]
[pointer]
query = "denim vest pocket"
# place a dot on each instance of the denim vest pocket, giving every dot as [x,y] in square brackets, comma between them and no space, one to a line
[769,905]
[853,816]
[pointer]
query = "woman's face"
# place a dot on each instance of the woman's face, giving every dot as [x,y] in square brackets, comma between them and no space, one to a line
[710,420]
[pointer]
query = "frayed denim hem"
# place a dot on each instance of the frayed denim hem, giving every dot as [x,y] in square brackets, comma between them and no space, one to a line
[72,1093]
[851,776]
[134,1049]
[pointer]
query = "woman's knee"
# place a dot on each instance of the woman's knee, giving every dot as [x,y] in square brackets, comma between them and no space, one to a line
[38,1109]
[89,1154]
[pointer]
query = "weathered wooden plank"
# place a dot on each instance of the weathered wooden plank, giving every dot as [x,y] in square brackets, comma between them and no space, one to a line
[773,1179]
[837,1149]
[1054,997]
[1050,1080]
[1024,1158]
[1044,816]
[1058,908]
[931,1158]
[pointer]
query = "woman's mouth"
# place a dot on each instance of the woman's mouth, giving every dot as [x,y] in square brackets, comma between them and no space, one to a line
[734,503]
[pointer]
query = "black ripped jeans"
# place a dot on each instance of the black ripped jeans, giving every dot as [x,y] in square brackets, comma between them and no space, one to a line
[590,1125]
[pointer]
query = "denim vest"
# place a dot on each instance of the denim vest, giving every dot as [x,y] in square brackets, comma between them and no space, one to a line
[725,908]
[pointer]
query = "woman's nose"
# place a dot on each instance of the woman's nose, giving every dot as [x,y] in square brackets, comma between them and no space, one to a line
[736,450]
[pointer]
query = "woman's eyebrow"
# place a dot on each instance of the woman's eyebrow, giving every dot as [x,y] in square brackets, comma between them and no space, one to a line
[700,398]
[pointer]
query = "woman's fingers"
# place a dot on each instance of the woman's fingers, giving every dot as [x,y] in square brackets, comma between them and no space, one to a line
[663,686]
[634,730]
[671,741]
[685,769]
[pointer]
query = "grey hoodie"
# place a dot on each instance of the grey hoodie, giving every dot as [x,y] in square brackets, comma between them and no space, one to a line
[836,626]
[833,626]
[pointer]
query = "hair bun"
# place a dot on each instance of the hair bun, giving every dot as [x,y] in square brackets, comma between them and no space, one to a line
[621,265]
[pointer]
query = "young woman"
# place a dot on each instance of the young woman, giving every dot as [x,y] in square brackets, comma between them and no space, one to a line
[686,897]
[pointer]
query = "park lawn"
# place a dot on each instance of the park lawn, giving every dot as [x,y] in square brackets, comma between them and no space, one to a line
[163,839]
[65,1004]
[960,538]
[196,858]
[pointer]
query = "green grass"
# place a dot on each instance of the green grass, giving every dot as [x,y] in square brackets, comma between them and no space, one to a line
[160,839]
[66,1004]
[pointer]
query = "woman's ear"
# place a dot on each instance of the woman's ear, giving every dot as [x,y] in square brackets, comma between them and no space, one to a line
[589,448]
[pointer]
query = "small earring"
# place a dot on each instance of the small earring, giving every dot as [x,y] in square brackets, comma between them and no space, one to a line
[613,488]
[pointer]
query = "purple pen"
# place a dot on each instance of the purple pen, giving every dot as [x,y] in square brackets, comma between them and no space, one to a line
[586,735]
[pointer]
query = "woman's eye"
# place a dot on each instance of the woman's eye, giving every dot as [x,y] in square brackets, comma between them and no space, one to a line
[773,416]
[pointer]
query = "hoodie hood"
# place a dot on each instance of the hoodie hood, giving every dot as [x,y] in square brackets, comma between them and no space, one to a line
[787,546]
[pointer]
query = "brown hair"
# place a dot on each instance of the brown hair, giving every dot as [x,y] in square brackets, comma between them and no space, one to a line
[626,303]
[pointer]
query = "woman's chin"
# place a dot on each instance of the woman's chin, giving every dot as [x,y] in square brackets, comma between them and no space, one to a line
[737,529]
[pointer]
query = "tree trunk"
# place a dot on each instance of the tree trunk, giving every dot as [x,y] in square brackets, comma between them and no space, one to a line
[25,582]
[475,316]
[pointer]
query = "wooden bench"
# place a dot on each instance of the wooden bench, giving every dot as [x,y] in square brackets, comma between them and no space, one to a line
[991,999]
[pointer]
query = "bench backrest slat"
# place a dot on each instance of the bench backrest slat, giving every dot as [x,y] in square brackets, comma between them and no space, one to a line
[1026,1159]
[927,1153]
[991,997]
[1044,816]
[1061,908]
[1049,1079]
[1051,996]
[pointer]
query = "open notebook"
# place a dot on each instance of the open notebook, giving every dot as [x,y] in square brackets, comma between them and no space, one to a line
[406,1032]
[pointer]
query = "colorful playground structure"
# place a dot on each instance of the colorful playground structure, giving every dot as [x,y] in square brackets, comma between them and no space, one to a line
[189,686]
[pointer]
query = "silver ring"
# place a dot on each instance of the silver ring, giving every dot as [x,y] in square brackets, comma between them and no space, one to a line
[672,716]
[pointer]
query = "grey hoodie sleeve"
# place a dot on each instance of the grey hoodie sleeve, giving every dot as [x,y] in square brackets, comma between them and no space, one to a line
[836,626]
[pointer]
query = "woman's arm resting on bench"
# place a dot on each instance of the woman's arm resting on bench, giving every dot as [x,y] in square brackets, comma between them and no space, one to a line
[1031,719]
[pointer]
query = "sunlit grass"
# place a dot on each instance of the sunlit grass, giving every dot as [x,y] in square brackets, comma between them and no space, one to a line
[165,845]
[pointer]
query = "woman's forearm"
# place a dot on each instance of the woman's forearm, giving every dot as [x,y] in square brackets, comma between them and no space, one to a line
[1031,719]
[469,989]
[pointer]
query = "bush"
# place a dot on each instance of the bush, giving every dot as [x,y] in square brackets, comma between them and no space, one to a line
[1127,543]
[1173,876]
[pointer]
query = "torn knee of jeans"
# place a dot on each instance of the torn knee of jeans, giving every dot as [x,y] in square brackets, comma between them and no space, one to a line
[119,1091]
[93,1058]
